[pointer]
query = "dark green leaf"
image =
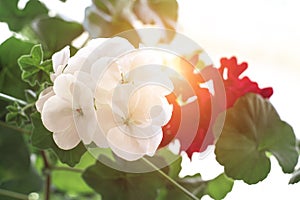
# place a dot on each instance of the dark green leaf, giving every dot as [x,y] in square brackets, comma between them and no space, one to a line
[34,70]
[296,177]
[55,33]
[173,160]
[13,153]
[118,185]
[194,184]
[252,128]
[219,187]
[10,73]
[16,173]
[29,182]
[42,139]
[16,18]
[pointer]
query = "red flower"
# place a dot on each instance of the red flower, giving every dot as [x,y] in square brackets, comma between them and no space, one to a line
[193,128]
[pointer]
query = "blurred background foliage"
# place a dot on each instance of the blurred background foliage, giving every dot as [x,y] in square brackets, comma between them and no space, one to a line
[33,167]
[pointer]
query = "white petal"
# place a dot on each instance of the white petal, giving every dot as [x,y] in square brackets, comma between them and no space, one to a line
[87,56]
[110,77]
[100,67]
[63,86]
[86,79]
[106,119]
[75,63]
[132,148]
[67,139]
[61,58]
[43,97]
[162,114]
[57,114]
[152,75]
[102,97]
[84,112]
[99,139]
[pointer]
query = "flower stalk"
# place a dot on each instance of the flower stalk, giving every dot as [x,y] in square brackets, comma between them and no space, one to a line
[180,187]
[12,99]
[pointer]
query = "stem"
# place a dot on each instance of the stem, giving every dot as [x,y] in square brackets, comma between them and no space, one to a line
[10,98]
[67,169]
[48,175]
[29,105]
[12,194]
[180,187]
[14,128]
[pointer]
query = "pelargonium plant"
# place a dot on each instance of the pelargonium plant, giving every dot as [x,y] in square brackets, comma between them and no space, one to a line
[98,121]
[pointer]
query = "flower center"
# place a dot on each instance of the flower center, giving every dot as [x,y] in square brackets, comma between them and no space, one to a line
[79,111]
[123,79]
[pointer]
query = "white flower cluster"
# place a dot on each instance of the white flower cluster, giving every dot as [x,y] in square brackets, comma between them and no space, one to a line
[109,94]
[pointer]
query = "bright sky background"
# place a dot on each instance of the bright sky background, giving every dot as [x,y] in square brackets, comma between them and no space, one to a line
[266,34]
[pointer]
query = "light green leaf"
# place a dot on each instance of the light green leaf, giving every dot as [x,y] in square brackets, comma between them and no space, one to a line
[64,180]
[111,22]
[219,187]
[109,18]
[16,18]
[162,13]
[34,70]
[42,139]
[16,115]
[252,128]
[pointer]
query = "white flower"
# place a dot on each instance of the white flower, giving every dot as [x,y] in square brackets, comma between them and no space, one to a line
[59,62]
[43,97]
[108,93]
[70,111]
[131,104]
[133,124]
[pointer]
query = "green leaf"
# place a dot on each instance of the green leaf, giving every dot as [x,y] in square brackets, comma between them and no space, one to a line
[253,128]
[34,70]
[109,18]
[173,159]
[64,180]
[10,73]
[42,139]
[295,178]
[29,182]
[163,14]
[55,33]
[118,185]
[16,172]
[219,187]
[16,115]
[106,26]
[16,18]
[194,184]
[13,153]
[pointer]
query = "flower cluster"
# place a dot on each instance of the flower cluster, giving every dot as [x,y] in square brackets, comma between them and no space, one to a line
[108,94]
